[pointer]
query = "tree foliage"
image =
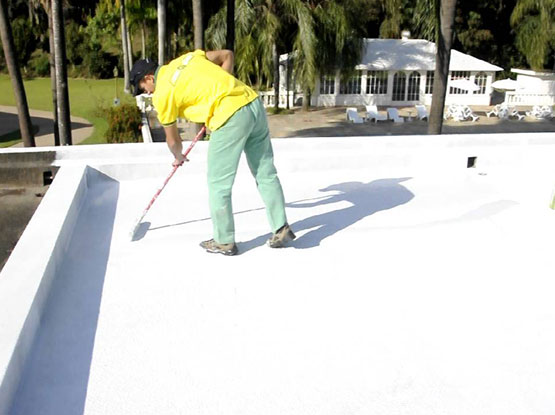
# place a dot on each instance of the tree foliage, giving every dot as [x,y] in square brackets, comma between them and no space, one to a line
[534,23]
[323,35]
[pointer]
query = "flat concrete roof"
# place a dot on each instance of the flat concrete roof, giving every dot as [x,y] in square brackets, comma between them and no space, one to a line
[416,285]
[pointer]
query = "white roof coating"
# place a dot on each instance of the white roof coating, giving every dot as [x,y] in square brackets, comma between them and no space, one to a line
[414,54]
[416,285]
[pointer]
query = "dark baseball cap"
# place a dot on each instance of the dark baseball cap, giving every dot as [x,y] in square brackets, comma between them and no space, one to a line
[141,68]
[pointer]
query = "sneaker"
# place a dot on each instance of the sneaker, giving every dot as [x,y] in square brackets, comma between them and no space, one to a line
[216,248]
[281,237]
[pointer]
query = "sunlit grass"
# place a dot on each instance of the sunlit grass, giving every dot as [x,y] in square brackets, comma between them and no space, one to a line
[87,99]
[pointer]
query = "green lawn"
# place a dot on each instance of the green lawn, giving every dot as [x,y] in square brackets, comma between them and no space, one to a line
[87,97]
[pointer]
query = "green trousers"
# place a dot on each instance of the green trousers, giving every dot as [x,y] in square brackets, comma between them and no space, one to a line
[247,130]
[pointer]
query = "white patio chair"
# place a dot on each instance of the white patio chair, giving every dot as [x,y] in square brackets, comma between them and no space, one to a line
[503,112]
[513,112]
[494,111]
[452,111]
[540,112]
[373,114]
[393,114]
[469,114]
[352,115]
[458,114]
[422,112]
[546,112]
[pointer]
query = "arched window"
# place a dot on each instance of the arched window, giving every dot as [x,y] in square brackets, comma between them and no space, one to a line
[399,86]
[429,82]
[414,87]
[480,80]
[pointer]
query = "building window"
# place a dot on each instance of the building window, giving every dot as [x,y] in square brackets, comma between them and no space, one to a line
[459,75]
[413,93]
[327,84]
[399,86]
[480,80]
[353,85]
[376,82]
[429,82]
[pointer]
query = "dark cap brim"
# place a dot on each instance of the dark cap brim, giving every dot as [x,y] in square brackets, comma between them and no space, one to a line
[136,89]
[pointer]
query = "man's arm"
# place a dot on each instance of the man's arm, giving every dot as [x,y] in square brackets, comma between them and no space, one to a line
[174,143]
[223,58]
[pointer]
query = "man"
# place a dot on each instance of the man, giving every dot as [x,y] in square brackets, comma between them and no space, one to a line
[200,87]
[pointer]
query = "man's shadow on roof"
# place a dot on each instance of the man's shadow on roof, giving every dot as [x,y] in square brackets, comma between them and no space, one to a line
[365,199]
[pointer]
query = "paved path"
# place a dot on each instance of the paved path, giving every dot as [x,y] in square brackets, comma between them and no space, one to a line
[80,127]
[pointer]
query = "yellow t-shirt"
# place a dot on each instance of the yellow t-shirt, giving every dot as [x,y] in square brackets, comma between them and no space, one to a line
[197,89]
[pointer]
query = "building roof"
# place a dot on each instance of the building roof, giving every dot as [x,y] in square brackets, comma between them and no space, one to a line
[547,75]
[414,54]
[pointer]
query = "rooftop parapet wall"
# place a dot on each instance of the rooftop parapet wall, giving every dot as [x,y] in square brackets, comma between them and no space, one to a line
[26,278]
[27,167]
[406,151]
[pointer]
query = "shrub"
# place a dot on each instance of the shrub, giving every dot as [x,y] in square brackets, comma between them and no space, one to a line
[100,64]
[76,46]
[124,122]
[39,64]
[24,39]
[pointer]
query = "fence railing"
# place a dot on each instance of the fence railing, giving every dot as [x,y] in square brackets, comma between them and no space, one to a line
[517,98]
[268,99]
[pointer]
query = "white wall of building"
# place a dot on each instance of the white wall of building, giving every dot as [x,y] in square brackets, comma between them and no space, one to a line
[534,88]
[337,99]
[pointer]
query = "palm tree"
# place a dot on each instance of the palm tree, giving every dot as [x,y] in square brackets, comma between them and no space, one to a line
[261,29]
[162,31]
[124,46]
[138,14]
[425,20]
[197,24]
[535,30]
[64,122]
[25,126]
[391,25]
[443,56]
[338,44]
[46,5]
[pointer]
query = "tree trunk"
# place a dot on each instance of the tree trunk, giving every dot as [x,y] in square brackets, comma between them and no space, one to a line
[230,36]
[53,78]
[62,95]
[124,48]
[129,47]
[143,40]
[161,32]
[25,126]
[443,56]
[197,24]
[306,100]
[198,31]
[276,77]
[288,80]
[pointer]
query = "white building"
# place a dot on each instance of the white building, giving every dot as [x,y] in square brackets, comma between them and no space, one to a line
[398,72]
[533,88]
